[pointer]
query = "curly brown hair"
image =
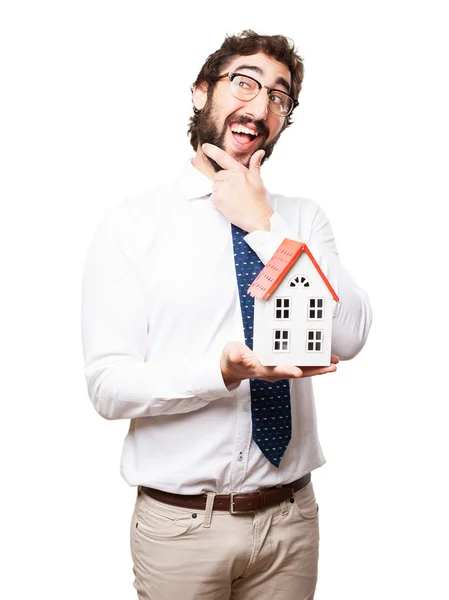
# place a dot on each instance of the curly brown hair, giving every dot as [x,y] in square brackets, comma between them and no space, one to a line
[246,43]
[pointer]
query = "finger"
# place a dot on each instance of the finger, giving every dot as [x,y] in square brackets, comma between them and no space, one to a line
[235,356]
[221,157]
[280,372]
[222,176]
[255,161]
[334,359]
[288,371]
[313,371]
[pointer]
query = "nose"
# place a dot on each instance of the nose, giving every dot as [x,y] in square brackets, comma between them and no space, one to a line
[258,106]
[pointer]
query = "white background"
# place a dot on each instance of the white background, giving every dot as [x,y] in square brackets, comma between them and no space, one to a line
[84,125]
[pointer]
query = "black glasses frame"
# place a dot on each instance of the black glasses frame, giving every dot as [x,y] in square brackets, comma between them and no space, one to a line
[232,76]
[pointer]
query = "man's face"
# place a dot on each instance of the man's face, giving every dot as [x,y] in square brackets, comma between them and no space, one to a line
[224,118]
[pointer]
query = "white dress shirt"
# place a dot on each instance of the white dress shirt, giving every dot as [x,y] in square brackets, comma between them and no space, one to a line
[160,301]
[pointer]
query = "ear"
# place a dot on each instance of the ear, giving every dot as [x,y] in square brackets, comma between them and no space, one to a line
[199,95]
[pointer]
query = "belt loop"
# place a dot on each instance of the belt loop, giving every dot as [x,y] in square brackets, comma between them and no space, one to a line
[209,508]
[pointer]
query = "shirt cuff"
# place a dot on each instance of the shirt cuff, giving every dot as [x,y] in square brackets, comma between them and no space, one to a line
[265,243]
[207,381]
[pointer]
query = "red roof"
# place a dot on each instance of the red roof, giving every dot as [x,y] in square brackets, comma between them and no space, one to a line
[279,265]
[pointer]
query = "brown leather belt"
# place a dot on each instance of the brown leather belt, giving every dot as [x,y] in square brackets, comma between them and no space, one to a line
[235,502]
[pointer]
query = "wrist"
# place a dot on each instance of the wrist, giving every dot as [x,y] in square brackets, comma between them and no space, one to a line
[229,379]
[263,221]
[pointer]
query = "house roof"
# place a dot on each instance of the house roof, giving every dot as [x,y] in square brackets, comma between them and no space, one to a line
[279,265]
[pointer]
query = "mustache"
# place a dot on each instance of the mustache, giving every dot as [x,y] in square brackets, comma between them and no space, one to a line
[244,120]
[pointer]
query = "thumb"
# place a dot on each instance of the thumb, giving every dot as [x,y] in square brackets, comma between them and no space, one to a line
[256,159]
[235,356]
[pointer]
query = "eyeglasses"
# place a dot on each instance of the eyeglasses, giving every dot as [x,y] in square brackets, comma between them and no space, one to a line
[246,88]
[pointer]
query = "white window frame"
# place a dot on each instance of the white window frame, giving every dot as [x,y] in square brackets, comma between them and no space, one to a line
[282,308]
[314,341]
[283,340]
[315,308]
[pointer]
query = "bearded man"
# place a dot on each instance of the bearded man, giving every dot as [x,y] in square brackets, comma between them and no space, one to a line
[167,337]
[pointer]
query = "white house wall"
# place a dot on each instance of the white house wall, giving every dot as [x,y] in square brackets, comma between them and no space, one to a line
[265,322]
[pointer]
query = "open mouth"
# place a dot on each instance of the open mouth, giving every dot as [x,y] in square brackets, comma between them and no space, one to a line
[243,136]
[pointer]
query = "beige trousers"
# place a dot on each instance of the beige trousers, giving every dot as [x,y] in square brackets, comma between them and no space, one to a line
[271,554]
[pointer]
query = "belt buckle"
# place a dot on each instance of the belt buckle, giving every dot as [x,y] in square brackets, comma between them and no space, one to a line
[231,504]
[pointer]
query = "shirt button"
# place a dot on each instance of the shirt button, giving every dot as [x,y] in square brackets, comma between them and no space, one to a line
[246,407]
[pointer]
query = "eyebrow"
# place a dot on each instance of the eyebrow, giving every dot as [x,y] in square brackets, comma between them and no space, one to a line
[259,71]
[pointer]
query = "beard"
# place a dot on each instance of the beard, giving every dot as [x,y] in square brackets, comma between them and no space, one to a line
[209,132]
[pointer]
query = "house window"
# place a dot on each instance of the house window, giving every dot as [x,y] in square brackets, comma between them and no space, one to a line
[281,340]
[282,308]
[299,281]
[315,309]
[314,340]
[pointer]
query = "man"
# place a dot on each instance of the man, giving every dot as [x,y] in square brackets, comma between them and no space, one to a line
[217,516]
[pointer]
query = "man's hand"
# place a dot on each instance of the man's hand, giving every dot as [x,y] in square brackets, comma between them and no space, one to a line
[238,362]
[238,191]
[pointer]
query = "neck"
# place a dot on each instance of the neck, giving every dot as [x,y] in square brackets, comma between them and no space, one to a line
[203,165]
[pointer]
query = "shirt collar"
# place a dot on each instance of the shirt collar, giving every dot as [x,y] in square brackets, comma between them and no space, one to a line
[193,183]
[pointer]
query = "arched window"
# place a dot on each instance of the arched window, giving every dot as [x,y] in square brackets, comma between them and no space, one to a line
[299,281]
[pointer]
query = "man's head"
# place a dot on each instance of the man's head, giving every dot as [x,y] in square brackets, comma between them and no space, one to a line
[244,94]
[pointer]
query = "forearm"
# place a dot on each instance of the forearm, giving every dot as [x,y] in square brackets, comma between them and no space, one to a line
[124,388]
[125,378]
[352,314]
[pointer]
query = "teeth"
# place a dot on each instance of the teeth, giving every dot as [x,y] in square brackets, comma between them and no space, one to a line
[242,129]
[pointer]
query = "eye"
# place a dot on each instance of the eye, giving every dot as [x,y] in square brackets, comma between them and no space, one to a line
[245,85]
[276,99]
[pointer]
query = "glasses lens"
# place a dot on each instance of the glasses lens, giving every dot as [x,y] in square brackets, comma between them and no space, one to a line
[243,87]
[247,88]
[280,104]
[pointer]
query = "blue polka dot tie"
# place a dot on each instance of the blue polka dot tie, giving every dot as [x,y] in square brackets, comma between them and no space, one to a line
[270,402]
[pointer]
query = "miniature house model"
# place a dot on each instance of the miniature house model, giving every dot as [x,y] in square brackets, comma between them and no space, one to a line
[293,309]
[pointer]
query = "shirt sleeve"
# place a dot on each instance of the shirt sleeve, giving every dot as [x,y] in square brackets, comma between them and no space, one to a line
[265,243]
[352,313]
[121,382]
